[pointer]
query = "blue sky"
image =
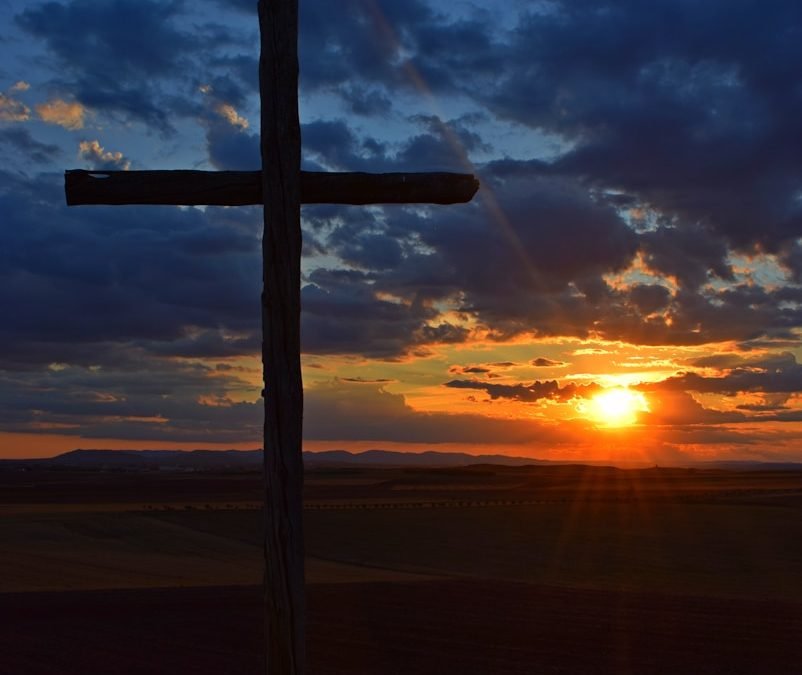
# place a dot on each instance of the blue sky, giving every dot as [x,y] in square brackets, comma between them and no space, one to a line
[638,226]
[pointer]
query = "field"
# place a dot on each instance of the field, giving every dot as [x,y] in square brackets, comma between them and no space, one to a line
[553,569]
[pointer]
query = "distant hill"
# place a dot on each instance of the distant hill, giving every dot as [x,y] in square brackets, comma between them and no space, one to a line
[143,460]
[217,460]
[430,458]
[746,465]
[158,459]
[233,460]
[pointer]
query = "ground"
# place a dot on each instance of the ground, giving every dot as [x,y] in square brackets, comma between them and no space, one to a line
[477,570]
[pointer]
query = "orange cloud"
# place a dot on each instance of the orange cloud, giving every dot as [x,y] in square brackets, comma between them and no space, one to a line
[69,115]
[12,110]
[542,362]
[101,158]
[228,113]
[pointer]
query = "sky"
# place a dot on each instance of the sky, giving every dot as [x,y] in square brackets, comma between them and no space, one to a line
[626,285]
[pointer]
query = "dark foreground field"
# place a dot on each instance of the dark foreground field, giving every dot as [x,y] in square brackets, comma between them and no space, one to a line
[482,570]
[433,627]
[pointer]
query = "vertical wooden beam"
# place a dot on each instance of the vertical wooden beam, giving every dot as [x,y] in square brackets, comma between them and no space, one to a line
[281,249]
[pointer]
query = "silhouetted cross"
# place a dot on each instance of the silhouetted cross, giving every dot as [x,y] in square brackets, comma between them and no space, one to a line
[281,187]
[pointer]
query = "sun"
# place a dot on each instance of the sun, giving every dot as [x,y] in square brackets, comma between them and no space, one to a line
[617,407]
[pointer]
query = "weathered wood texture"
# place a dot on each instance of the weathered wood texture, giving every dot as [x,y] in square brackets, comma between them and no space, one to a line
[281,346]
[240,188]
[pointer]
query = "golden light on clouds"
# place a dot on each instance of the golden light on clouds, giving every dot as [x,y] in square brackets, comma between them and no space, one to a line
[69,115]
[12,110]
[228,113]
[93,152]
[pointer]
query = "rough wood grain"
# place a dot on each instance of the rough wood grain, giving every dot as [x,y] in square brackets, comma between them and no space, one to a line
[281,347]
[240,188]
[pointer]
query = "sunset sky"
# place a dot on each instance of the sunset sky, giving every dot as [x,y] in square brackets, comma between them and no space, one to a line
[627,284]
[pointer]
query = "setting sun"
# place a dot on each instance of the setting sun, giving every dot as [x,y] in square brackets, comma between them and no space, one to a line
[617,407]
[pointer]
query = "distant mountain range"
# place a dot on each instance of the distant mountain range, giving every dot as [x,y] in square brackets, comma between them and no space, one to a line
[231,460]
[429,458]
[208,460]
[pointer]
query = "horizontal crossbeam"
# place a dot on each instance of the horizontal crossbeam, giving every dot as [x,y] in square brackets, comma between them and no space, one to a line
[239,188]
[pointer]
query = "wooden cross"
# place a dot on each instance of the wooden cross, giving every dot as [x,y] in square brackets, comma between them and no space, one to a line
[281,187]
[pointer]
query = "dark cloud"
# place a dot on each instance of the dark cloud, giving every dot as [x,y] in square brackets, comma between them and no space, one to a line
[120,38]
[530,255]
[746,313]
[157,400]
[141,60]
[393,46]
[231,148]
[719,361]
[758,407]
[333,145]
[125,45]
[246,6]
[233,79]
[691,108]
[367,250]
[537,391]
[542,362]
[342,314]
[776,373]
[208,343]
[74,278]
[488,370]
[690,255]
[442,145]
[649,298]
[21,141]
[791,257]
[366,102]
[677,408]
[515,256]
[363,37]
[512,269]
[470,370]
[542,268]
